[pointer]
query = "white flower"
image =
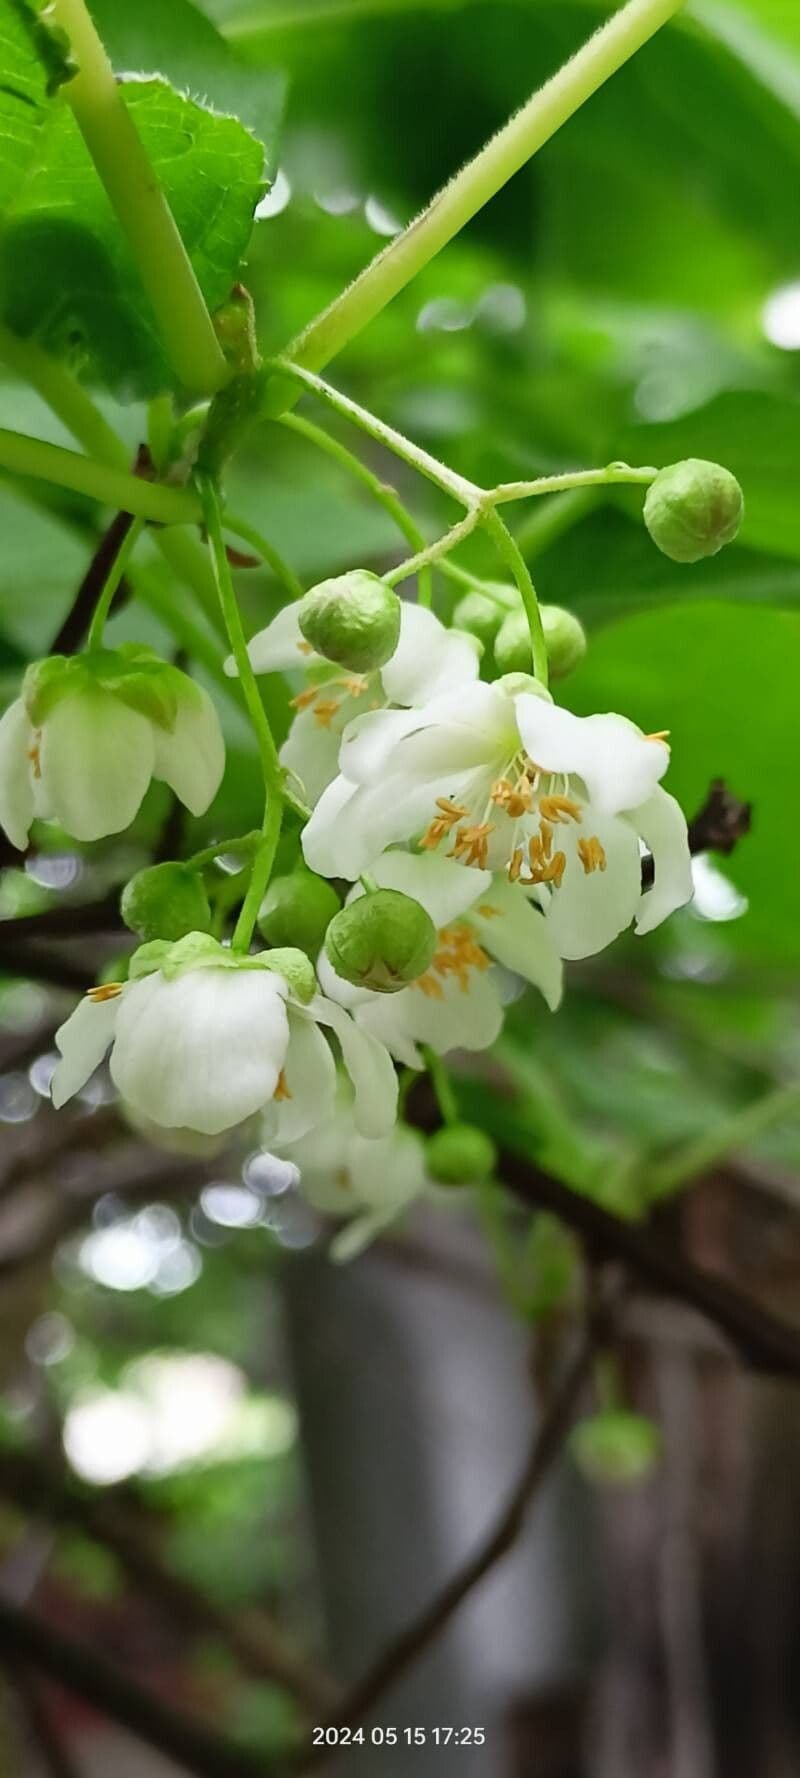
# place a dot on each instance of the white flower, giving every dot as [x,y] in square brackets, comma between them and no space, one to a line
[371,1182]
[206,1040]
[458,1003]
[427,661]
[85,755]
[511,782]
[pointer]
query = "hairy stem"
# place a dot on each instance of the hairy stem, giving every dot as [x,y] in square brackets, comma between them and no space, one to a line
[613,474]
[380,491]
[270,763]
[25,456]
[480,179]
[141,207]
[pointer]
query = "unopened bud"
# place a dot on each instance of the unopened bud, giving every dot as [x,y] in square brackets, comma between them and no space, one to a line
[460,1154]
[353,620]
[479,616]
[166,901]
[693,509]
[565,640]
[616,1446]
[297,910]
[382,941]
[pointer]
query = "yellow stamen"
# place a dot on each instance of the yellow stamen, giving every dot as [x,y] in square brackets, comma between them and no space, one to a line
[281,1090]
[106,991]
[661,734]
[591,854]
[559,808]
[546,837]
[516,865]
[304,648]
[488,912]
[355,685]
[324,711]
[35,759]
[472,844]
[514,798]
[305,698]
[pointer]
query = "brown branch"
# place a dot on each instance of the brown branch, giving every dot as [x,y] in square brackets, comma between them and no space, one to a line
[412,1642]
[38,1487]
[722,821]
[73,1664]
[39,1724]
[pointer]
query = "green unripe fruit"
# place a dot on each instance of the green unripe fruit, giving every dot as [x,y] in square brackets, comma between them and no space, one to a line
[693,509]
[460,1154]
[166,901]
[615,1446]
[353,620]
[382,941]
[297,910]
[565,639]
[479,616]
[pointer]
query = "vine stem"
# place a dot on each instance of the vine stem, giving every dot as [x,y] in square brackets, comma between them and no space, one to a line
[513,557]
[64,396]
[455,205]
[270,763]
[141,207]
[442,1085]
[612,475]
[433,552]
[735,1132]
[380,491]
[94,637]
[162,505]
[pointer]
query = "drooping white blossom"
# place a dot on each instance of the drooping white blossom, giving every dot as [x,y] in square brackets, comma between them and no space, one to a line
[368,1181]
[206,1040]
[86,753]
[499,778]
[428,661]
[481,920]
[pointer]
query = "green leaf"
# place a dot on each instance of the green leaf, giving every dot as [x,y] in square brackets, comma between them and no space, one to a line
[178,42]
[95,311]
[23,96]
[724,682]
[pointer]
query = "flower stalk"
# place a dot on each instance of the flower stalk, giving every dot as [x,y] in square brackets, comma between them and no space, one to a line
[94,638]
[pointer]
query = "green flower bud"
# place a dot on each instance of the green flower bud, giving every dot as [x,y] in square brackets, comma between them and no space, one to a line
[565,638]
[615,1446]
[460,1154]
[512,644]
[479,616]
[693,509]
[354,620]
[166,901]
[297,910]
[382,941]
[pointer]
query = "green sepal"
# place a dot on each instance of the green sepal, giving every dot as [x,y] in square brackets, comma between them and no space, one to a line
[198,950]
[139,678]
[47,682]
[295,967]
[148,958]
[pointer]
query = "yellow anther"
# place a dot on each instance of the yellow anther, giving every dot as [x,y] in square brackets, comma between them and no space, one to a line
[488,912]
[546,837]
[324,711]
[472,844]
[591,854]
[430,987]
[661,734]
[514,798]
[305,699]
[516,865]
[281,1090]
[304,648]
[355,685]
[106,991]
[559,808]
[35,759]
[458,953]
[551,872]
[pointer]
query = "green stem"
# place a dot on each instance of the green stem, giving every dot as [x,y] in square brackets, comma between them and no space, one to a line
[141,207]
[457,486]
[442,1085]
[513,557]
[247,842]
[94,638]
[64,396]
[380,491]
[612,474]
[270,763]
[737,1131]
[480,179]
[434,552]
[21,455]
[262,546]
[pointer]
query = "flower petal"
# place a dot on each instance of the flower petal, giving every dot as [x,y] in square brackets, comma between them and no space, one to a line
[278,647]
[474,723]
[386,1175]
[590,909]
[83,1040]
[191,759]
[97,758]
[203,1051]
[662,825]
[309,1080]
[16,789]
[514,931]
[311,748]
[618,764]
[428,659]
[369,1066]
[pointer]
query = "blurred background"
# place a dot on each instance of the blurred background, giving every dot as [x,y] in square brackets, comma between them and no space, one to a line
[232,1467]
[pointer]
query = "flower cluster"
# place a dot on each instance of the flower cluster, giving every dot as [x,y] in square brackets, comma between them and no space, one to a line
[463,837]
